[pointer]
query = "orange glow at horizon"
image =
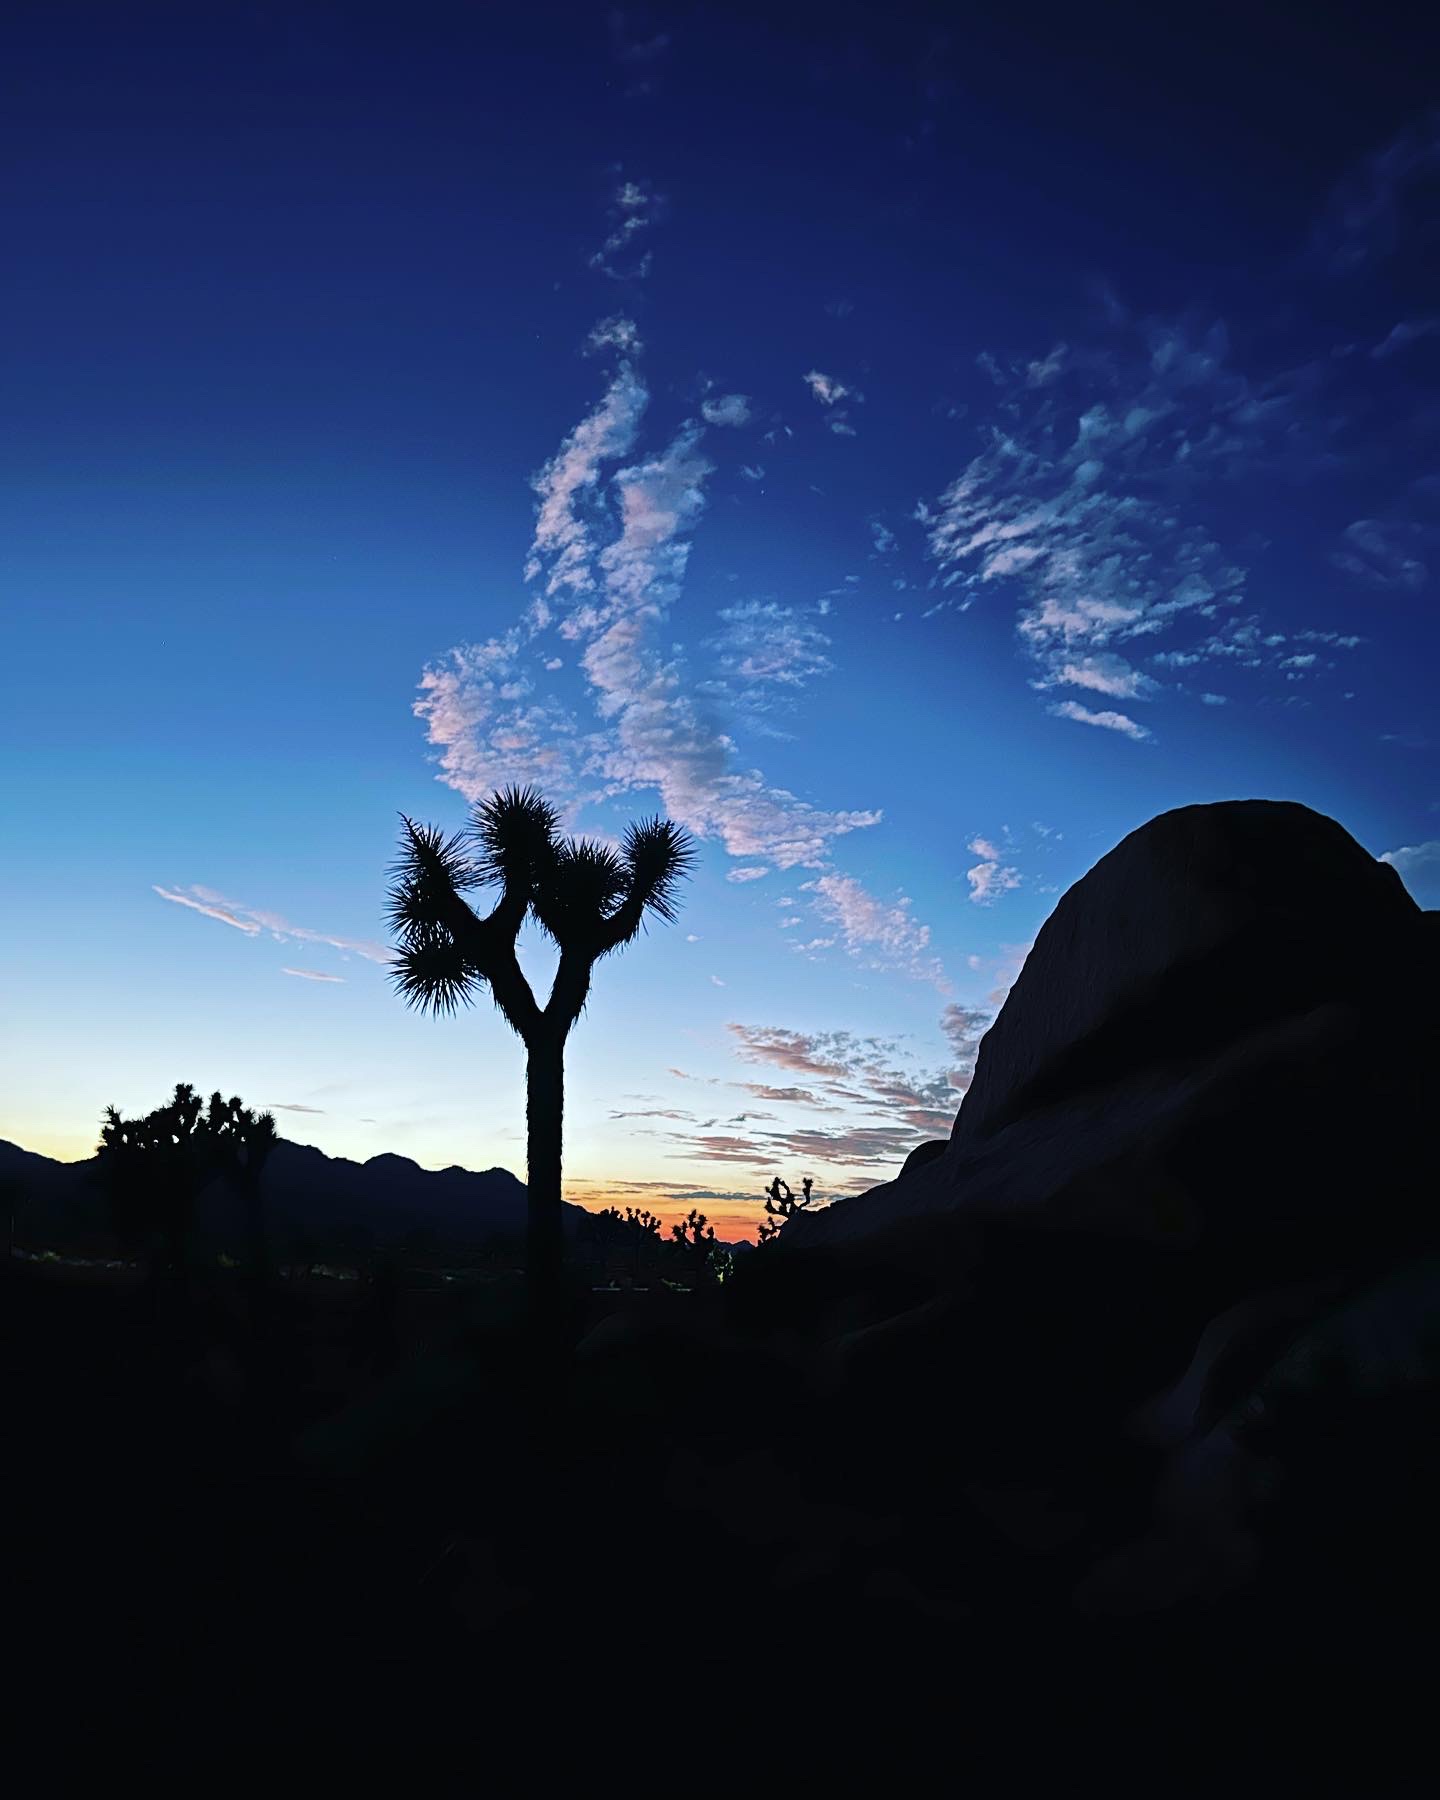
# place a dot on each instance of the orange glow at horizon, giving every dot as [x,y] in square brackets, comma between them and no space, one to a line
[732,1219]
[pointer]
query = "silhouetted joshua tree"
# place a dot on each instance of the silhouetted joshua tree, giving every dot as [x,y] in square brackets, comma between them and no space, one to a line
[156,1165]
[695,1240]
[635,1233]
[241,1142]
[781,1206]
[589,899]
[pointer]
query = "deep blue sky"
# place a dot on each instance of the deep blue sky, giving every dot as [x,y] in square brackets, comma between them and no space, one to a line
[1009,426]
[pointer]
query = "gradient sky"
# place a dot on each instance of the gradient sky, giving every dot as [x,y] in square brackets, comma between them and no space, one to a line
[911,449]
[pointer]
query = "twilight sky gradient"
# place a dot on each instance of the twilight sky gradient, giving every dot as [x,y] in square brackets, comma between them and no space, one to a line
[912,450]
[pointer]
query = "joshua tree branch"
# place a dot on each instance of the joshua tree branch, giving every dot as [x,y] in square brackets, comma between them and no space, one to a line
[572,985]
[512,991]
[622,926]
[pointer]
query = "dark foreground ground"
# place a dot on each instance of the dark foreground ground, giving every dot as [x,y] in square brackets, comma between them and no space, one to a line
[698,1553]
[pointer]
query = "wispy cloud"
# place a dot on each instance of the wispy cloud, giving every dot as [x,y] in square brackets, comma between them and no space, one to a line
[1085,500]
[240,921]
[1384,553]
[793,1096]
[994,875]
[869,1073]
[615,333]
[885,933]
[654,1112]
[312,975]
[726,409]
[1100,673]
[889,1103]
[964,1026]
[639,51]
[253,920]
[1377,206]
[807,1053]
[1402,335]
[632,213]
[1418,866]
[1042,372]
[632,45]
[563,545]
[990,878]
[1107,720]
[1244,643]
[766,646]
[827,389]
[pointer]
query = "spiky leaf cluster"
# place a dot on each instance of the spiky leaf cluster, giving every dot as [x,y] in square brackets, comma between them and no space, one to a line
[588,898]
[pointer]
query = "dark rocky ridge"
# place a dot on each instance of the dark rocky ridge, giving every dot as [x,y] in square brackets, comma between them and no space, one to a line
[386,1197]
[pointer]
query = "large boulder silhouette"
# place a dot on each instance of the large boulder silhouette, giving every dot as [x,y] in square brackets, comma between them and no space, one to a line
[1170,1280]
[1221,1042]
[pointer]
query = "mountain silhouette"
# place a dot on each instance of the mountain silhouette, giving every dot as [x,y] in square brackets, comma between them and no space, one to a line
[305,1190]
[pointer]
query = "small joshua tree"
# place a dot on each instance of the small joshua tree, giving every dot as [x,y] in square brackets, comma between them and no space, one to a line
[589,899]
[695,1240]
[781,1206]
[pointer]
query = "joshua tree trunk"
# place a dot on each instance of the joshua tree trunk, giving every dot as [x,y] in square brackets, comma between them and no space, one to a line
[544,1112]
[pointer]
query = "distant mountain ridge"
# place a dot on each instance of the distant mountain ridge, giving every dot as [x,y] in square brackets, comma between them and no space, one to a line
[305,1190]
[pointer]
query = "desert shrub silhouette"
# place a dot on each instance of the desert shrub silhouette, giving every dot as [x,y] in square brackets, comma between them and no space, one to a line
[588,898]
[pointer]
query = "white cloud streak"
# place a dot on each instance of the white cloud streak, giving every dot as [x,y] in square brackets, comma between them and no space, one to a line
[1107,721]
[254,920]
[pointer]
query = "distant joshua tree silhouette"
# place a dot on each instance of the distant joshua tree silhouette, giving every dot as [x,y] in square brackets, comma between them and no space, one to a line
[781,1206]
[635,1233]
[695,1241]
[156,1165]
[242,1141]
[589,899]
